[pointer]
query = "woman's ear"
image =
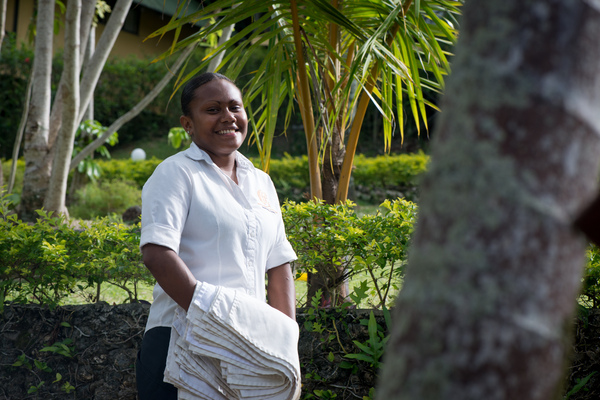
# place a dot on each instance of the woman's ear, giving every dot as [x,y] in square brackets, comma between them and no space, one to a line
[186,124]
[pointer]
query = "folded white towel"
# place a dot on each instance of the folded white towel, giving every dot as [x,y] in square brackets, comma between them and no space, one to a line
[230,345]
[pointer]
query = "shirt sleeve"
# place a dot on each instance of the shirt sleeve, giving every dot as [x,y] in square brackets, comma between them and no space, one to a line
[165,205]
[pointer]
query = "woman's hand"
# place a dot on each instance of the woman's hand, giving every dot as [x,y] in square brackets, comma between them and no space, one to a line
[170,272]
[281,291]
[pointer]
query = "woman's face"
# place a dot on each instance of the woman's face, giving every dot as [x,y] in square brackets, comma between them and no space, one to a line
[217,122]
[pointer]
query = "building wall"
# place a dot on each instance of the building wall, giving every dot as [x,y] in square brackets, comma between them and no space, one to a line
[127,44]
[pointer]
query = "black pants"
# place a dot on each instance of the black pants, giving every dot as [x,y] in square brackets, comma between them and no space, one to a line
[150,366]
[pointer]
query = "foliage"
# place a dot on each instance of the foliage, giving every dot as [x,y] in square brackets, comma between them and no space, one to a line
[15,68]
[290,174]
[137,172]
[579,386]
[87,132]
[344,346]
[371,352]
[590,290]
[101,199]
[325,235]
[45,262]
[320,55]
[178,137]
[382,251]
[122,83]
[63,348]
[390,170]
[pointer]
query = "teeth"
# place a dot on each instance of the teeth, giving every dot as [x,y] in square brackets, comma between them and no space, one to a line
[226,131]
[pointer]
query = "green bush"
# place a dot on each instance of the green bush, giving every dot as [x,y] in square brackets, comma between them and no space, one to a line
[99,199]
[291,179]
[373,247]
[590,290]
[45,262]
[6,166]
[128,170]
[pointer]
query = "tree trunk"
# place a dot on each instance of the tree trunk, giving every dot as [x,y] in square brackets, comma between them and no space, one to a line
[19,138]
[105,45]
[2,22]
[85,38]
[57,191]
[36,147]
[495,267]
[31,201]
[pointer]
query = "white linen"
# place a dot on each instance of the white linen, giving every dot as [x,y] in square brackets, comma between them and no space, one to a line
[232,346]
[226,234]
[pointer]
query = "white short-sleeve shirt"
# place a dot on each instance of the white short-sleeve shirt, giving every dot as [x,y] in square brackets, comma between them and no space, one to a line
[227,234]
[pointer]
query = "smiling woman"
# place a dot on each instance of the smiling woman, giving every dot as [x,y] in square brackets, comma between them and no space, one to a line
[217,121]
[209,217]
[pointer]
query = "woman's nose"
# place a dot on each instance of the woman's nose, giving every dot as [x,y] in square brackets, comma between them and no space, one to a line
[228,115]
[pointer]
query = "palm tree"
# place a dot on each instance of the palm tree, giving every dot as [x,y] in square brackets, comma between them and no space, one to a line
[331,58]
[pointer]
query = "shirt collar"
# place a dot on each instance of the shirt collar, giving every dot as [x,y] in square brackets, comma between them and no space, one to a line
[196,153]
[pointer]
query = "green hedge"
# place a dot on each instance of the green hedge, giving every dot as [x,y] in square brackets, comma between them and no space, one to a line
[50,260]
[373,177]
[46,262]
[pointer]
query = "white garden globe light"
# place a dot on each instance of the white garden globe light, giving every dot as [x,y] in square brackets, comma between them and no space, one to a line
[138,155]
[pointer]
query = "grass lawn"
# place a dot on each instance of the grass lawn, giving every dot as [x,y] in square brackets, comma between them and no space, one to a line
[115,295]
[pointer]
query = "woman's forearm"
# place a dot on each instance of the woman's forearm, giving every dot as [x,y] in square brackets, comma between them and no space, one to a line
[170,272]
[281,291]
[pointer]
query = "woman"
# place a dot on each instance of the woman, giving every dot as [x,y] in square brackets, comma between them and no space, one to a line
[208,215]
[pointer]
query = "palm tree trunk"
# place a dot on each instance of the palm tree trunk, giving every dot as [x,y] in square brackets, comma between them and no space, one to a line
[304,99]
[495,267]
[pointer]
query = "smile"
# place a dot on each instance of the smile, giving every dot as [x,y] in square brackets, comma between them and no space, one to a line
[225,132]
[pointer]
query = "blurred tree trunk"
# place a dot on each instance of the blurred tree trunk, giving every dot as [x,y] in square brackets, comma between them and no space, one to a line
[36,147]
[2,26]
[57,191]
[495,268]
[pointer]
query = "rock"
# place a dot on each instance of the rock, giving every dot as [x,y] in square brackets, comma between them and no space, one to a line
[132,214]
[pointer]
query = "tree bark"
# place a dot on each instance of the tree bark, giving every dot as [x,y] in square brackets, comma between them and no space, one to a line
[36,147]
[57,190]
[88,11]
[2,22]
[105,45]
[495,266]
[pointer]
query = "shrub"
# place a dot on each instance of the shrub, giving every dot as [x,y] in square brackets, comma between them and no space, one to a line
[329,237]
[98,199]
[388,176]
[45,262]
[6,166]
[291,179]
[128,170]
[590,289]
